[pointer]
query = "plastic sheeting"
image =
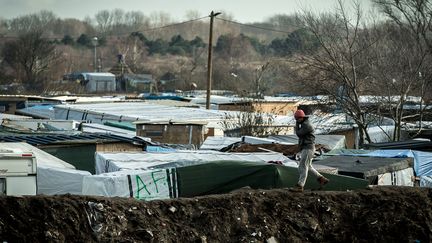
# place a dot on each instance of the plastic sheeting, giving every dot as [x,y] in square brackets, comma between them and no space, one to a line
[158,149]
[397,178]
[147,185]
[53,181]
[256,140]
[204,179]
[110,162]
[426,181]
[217,143]
[422,163]
[332,141]
[131,111]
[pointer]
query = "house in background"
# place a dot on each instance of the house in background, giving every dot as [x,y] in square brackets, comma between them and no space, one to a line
[99,82]
[167,80]
[139,83]
[128,81]
[93,82]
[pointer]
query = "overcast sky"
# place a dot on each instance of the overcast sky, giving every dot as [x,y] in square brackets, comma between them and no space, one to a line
[241,10]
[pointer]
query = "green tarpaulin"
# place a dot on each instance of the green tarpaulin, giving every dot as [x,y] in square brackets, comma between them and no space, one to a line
[124,125]
[225,176]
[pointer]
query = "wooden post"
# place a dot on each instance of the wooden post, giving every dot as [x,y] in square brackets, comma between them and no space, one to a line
[209,60]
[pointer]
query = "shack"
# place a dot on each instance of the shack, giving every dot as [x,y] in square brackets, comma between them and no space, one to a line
[173,132]
[377,170]
[99,82]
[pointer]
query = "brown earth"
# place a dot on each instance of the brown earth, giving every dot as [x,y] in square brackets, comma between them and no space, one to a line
[385,214]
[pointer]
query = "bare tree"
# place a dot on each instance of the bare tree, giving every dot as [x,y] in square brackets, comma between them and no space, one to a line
[250,121]
[260,84]
[31,56]
[412,48]
[41,21]
[337,68]
[104,21]
[136,20]
[398,73]
[414,16]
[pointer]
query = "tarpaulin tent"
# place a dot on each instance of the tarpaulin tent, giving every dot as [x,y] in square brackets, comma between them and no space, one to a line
[53,181]
[210,178]
[110,162]
[422,160]
[378,170]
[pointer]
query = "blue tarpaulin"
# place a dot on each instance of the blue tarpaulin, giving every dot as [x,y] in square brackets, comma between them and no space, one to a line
[156,149]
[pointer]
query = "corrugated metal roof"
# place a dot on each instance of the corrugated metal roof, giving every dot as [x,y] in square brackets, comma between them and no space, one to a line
[61,139]
[40,111]
[421,145]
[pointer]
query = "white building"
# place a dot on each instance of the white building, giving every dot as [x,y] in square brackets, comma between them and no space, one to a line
[99,82]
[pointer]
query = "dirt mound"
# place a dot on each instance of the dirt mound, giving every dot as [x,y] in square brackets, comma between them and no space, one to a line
[380,214]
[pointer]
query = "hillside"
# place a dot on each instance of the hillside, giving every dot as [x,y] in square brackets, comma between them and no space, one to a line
[385,214]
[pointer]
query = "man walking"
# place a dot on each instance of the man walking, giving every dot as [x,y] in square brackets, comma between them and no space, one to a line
[306,142]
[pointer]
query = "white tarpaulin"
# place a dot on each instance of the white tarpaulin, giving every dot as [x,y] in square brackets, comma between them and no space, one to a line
[217,143]
[132,111]
[52,181]
[110,162]
[146,185]
[397,178]
[426,181]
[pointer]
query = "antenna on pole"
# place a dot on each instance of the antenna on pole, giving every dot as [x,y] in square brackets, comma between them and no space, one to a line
[209,60]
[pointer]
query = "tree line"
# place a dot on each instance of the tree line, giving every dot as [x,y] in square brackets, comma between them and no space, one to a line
[72,51]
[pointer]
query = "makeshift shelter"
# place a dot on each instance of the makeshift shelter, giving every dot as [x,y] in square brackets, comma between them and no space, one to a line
[217,143]
[422,160]
[78,149]
[420,145]
[210,178]
[331,141]
[99,82]
[378,171]
[173,131]
[110,162]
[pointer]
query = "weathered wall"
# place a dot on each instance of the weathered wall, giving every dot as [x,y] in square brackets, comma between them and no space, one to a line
[173,133]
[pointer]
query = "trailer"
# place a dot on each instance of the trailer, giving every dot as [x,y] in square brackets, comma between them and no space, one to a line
[18,171]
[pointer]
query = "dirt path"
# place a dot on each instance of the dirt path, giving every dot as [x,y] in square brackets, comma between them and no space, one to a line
[381,214]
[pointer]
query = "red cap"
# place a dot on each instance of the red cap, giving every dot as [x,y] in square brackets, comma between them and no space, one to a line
[299,114]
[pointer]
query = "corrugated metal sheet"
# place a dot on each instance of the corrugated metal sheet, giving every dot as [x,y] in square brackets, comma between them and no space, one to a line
[59,138]
[421,145]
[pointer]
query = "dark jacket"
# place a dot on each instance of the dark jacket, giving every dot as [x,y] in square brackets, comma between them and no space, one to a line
[305,133]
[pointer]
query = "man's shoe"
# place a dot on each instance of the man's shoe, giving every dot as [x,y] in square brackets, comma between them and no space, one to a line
[296,188]
[322,180]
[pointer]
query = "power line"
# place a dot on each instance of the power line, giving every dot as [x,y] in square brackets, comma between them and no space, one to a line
[54,37]
[254,26]
[171,25]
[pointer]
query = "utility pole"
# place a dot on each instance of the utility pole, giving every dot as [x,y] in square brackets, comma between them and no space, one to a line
[209,60]
[95,42]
